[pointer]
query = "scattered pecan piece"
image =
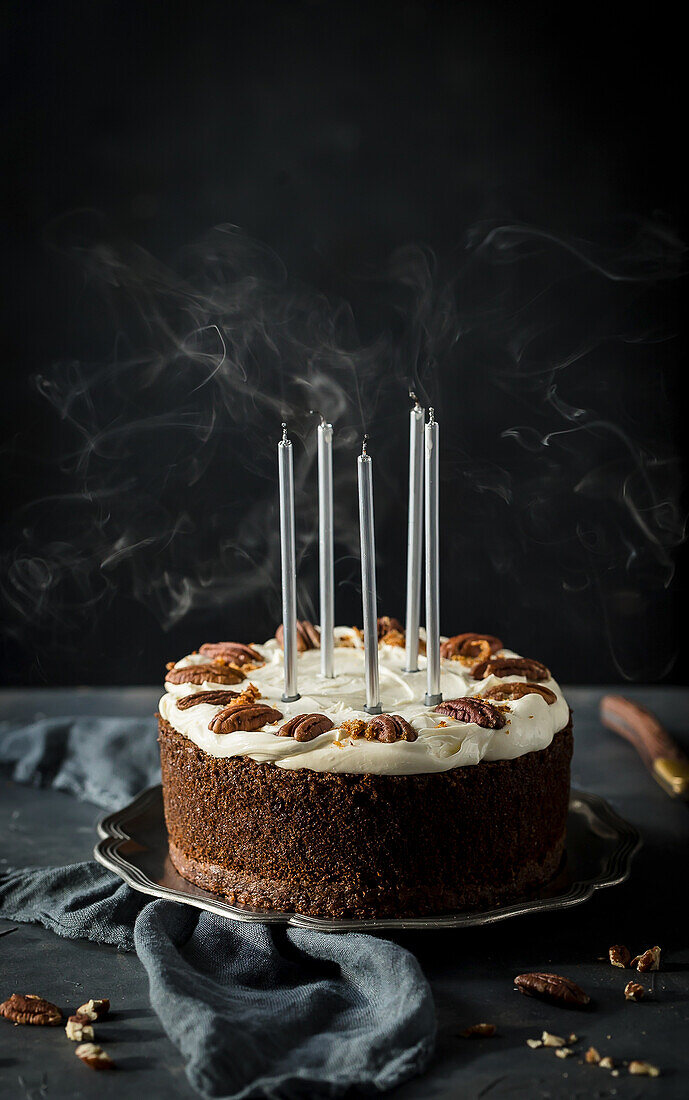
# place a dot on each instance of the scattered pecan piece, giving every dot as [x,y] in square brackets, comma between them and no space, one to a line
[550,1040]
[388,728]
[563,1052]
[634,992]
[94,1009]
[94,1056]
[470,645]
[304,727]
[218,672]
[643,1069]
[479,1031]
[308,636]
[649,960]
[503,693]
[606,1063]
[534,1043]
[28,1008]
[592,1056]
[471,709]
[552,987]
[243,716]
[511,666]
[619,956]
[386,624]
[216,698]
[233,652]
[79,1028]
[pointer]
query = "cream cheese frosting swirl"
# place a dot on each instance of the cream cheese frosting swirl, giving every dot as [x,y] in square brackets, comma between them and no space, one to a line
[531,722]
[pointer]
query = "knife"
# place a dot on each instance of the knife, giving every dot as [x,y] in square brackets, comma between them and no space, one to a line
[666,762]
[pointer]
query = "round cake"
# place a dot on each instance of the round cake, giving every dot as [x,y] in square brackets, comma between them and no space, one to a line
[315,807]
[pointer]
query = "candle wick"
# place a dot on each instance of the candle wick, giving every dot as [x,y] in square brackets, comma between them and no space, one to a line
[284,434]
[415,399]
[431,416]
[363,445]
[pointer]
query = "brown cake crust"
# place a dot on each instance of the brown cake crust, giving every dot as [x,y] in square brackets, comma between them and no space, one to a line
[340,845]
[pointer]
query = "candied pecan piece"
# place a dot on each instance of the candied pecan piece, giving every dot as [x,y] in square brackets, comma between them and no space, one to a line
[216,698]
[511,666]
[28,1008]
[243,716]
[386,625]
[217,672]
[308,636]
[304,727]
[394,638]
[552,987]
[388,728]
[354,727]
[466,645]
[471,709]
[233,652]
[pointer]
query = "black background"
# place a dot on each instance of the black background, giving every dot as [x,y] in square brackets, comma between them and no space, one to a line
[493,189]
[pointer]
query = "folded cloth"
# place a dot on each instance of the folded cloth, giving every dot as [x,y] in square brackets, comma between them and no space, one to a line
[101,760]
[256,1010]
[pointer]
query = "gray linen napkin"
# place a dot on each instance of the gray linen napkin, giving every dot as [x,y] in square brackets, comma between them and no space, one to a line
[256,1010]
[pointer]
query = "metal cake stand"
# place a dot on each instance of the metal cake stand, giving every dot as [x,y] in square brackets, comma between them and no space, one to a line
[599,852]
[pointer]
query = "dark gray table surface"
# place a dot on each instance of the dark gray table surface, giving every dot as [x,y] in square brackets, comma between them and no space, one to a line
[471,971]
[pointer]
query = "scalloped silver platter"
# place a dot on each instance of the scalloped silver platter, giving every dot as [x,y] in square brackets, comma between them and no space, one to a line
[600,848]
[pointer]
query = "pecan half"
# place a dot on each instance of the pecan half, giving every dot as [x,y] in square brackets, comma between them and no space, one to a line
[511,666]
[619,956]
[94,1056]
[28,1008]
[308,636]
[218,672]
[216,698]
[95,1009]
[469,645]
[388,728]
[552,987]
[386,624]
[243,716]
[304,727]
[503,693]
[470,709]
[233,652]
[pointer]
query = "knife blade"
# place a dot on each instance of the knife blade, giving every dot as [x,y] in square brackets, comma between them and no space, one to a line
[663,757]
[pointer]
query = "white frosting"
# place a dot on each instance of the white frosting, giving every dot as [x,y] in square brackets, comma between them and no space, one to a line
[531,722]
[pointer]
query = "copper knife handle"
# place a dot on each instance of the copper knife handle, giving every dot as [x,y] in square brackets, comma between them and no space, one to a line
[662,756]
